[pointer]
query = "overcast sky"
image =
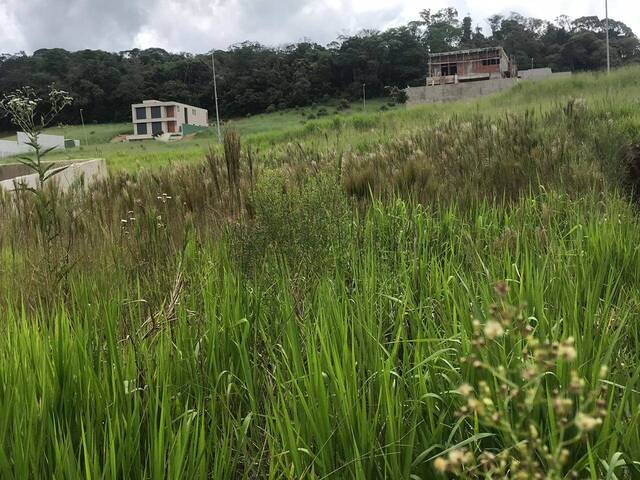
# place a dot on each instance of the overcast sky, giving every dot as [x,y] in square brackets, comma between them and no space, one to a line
[200,25]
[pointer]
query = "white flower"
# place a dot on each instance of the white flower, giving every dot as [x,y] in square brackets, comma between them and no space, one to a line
[493,330]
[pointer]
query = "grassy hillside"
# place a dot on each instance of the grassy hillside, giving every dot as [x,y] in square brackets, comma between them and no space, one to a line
[450,291]
[352,129]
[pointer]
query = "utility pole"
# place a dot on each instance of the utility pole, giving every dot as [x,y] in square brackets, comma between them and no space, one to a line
[364,96]
[84,132]
[606,8]
[531,63]
[215,95]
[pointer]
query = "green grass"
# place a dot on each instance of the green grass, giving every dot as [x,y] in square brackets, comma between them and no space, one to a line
[353,130]
[134,155]
[91,134]
[380,295]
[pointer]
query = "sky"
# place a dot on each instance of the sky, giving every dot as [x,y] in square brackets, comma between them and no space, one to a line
[201,25]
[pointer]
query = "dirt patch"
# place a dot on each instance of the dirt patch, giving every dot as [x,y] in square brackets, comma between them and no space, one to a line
[119,139]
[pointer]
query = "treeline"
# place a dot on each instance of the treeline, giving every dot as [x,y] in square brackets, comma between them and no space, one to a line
[254,78]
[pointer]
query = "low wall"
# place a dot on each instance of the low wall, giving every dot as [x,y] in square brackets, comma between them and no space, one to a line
[9,148]
[89,170]
[459,91]
[45,141]
[19,146]
[541,74]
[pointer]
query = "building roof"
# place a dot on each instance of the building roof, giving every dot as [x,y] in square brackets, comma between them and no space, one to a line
[466,52]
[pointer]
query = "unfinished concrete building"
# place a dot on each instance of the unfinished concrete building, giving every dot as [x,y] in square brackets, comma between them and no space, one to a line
[473,65]
[467,74]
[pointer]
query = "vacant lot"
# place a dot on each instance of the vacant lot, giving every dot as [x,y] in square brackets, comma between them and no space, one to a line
[265,129]
[450,290]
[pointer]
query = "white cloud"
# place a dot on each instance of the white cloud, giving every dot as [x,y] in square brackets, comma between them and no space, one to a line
[10,35]
[199,25]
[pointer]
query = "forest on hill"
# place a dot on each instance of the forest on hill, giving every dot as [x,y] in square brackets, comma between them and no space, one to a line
[254,78]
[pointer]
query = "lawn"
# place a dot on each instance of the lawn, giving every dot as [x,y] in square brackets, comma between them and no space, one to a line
[96,138]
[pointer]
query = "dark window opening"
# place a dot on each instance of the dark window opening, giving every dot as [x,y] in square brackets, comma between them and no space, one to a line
[156,112]
[141,128]
[141,113]
[186,115]
[156,128]
[491,61]
[449,69]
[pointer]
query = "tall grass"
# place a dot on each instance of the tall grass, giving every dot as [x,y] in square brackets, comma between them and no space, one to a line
[437,301]
[355,377]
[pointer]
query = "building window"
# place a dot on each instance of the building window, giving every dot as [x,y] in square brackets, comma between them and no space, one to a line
[156,128]
[171,111]
[449,69]
[193,111]
[141,128]
[491,61]
[156,112]
[141,113]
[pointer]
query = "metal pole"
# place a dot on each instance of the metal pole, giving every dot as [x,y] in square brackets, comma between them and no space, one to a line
[364,96]
[606,7]
[86,140]
[215,94]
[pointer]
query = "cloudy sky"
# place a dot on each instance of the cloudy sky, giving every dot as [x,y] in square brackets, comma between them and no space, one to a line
[200,25]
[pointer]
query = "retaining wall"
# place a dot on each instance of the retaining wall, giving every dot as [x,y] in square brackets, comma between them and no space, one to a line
[19,146]
[87,170]
[459,91]
[470,90]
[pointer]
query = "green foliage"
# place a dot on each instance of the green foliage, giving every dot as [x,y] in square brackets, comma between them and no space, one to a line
[254,316]
[105,84]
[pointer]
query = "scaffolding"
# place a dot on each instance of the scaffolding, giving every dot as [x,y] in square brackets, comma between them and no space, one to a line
[469,65]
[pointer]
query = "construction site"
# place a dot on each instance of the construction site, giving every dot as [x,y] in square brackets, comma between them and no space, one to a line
[467,74]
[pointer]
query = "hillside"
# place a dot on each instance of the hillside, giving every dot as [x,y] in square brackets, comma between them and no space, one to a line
[255,78]
[355,131]
[450,291]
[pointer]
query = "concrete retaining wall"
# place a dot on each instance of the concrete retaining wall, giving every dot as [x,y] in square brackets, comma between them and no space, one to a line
[541,74]
[91,170]
[470,90]
[10,147]
[459,91]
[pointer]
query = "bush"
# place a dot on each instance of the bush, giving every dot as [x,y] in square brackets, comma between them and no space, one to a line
[398,95]
[271,108]
[343,104]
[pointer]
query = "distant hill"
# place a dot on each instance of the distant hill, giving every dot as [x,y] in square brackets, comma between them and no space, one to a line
[254,78]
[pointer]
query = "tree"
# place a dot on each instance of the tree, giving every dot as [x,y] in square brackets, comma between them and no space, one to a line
[467,31]
[252,77]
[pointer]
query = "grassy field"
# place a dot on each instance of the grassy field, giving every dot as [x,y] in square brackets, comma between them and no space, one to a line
[451,291]
[96,139]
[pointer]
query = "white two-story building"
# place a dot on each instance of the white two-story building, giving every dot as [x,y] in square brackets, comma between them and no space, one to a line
[153,117]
